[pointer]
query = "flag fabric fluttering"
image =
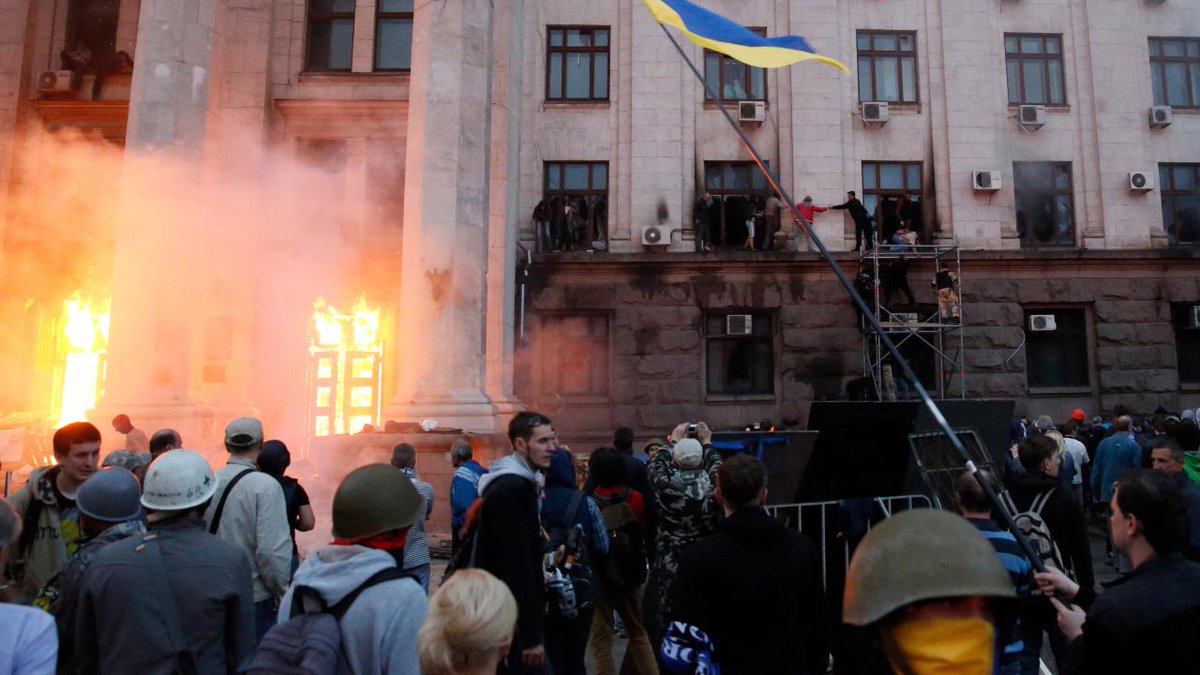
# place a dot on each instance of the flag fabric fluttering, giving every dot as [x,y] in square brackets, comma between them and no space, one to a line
[711,30]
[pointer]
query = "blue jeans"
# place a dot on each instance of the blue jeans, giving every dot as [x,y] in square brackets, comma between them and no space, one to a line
[264,617]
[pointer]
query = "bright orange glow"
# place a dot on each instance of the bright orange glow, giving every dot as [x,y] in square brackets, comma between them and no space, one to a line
[83,343]
[347,350]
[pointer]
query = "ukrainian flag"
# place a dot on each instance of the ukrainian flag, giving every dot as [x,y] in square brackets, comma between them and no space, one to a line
[719,34]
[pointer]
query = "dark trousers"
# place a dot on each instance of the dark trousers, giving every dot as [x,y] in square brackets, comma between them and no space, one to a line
[863,231]
[264,617]
[566,643]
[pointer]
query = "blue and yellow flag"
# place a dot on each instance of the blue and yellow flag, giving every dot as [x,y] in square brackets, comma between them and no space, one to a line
[719,34]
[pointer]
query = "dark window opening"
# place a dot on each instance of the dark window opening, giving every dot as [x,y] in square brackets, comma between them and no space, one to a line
[892,192]
[740,354]
[1056,348]
[1045,203]
[577,196]
[1180,187]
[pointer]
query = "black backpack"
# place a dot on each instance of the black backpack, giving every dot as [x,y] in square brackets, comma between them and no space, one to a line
[576,562]
[311,642]
[625,567]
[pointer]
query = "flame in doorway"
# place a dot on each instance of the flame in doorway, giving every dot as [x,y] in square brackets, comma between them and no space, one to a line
[83,342]
[347,353]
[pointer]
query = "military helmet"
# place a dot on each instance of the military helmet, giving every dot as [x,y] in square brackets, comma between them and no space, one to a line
[374,499]
[916,555]
[111,495]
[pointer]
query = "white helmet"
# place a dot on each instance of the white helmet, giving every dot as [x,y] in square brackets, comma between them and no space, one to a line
[178,480]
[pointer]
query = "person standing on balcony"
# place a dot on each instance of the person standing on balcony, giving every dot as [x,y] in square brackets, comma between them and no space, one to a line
[862,221]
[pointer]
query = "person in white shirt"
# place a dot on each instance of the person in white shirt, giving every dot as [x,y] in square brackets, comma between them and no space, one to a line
[1079,453]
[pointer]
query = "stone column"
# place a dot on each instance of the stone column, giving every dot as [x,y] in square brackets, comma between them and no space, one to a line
[14,18]
[504,202]
[149,358]
[445,273]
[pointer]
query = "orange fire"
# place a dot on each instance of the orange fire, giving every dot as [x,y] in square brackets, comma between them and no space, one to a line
[347,354]
[83,342]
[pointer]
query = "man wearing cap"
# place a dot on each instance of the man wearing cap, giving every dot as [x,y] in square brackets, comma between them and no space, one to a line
[176,600]
[109,510]
[373,511]
[250,511]
[930,588]
[683,473]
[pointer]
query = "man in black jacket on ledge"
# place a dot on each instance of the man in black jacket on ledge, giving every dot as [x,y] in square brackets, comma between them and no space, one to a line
[862,221]
[753,586]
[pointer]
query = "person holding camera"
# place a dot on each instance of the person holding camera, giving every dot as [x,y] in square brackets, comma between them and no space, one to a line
[683,473]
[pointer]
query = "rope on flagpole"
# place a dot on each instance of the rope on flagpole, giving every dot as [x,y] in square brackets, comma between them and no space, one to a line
[939,418]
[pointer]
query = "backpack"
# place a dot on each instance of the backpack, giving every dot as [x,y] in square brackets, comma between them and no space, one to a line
[625,567]
[570,583]
[1034,528]
[311,642]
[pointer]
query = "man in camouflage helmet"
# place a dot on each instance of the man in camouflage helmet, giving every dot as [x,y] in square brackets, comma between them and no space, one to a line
[931,588]
[683,473]
[373,509]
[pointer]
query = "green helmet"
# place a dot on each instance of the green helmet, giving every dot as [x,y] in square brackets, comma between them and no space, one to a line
[374,499]
[916,555]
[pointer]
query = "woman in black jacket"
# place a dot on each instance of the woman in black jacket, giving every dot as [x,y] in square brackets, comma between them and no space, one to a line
[1063,515]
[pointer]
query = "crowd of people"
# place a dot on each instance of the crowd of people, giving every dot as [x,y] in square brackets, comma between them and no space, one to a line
[171,566]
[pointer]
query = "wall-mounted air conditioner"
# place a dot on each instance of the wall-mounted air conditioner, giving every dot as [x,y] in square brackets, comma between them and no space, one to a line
[986,180]
[739,324]
[1042,323]
[1160,116]
[752,111]
[875,112]
[1141,181]
[56,80]
[1031,116]
[655,235]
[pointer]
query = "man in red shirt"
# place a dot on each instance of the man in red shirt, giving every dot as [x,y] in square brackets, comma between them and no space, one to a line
[807,211]
[624,572]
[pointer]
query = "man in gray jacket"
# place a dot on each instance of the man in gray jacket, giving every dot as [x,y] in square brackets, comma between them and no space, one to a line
[249,511]
[176,599]
[373,511]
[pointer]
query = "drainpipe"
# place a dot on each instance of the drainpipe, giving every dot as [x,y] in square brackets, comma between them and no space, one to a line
[523,271]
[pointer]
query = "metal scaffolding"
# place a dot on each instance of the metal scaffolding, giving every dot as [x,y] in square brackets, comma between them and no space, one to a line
[940,330]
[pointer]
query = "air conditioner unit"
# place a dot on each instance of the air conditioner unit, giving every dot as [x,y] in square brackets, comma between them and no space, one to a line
[1194,317]
[1042,323]
[752,111]
[655,235]
[875,112]
[1141,181]
[1032,116]
[739,324]
[1160,116]
[56,80]
[986,180]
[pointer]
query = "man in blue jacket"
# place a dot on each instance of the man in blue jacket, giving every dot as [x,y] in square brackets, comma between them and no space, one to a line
[464,488]
[1114,456]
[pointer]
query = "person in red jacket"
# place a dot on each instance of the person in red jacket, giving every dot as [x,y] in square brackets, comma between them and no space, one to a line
[807,211]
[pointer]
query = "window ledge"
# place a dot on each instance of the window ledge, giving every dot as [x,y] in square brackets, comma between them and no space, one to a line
[1064,108]
[344,77]
[740,398]
[1059,391]
[576,105]
[896,107]
[1189,386]
[1185,111]
[732,105]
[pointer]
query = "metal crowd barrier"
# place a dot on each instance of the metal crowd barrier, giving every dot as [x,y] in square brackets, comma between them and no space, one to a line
[855,519]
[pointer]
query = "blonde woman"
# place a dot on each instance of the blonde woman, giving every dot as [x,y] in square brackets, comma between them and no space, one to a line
[469,627]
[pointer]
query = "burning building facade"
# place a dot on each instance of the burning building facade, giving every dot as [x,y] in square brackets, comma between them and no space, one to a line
[315,209]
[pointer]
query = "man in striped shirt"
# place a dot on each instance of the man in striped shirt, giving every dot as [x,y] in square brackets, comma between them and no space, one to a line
[975,506]
[416,551]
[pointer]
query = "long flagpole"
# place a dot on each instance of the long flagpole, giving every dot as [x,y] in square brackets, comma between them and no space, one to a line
[938,417]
